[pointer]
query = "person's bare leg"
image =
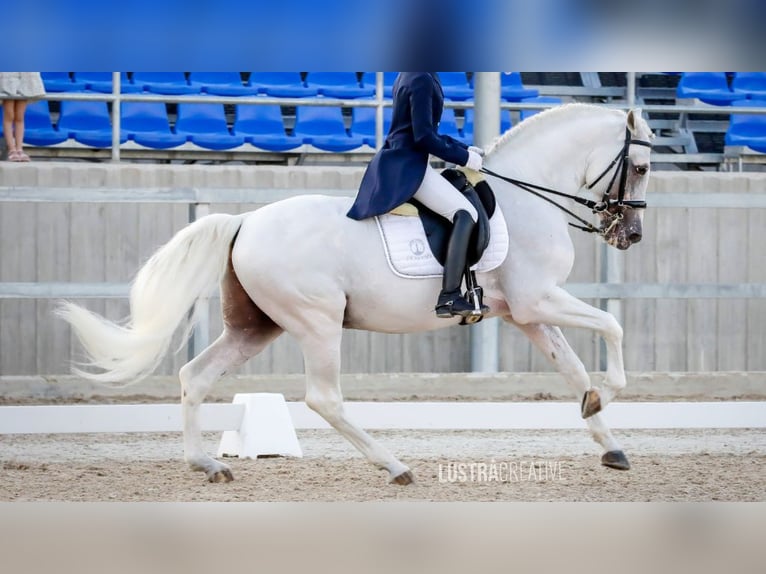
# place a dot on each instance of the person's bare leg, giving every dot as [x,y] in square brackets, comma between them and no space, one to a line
[8,115]
[18,127]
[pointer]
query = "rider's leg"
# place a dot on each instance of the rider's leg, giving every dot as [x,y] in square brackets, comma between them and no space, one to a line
[440,196]
[450,301]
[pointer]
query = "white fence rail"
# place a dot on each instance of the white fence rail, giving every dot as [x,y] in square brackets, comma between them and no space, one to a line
[202,198]
[692,294]
[57,419]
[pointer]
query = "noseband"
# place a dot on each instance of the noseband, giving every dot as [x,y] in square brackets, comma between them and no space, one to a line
[615,207]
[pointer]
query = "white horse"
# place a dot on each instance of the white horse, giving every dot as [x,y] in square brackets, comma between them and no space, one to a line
[301,266]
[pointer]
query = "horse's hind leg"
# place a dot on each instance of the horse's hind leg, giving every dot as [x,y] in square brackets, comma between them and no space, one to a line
[247,331]
[550,340]
[230,350]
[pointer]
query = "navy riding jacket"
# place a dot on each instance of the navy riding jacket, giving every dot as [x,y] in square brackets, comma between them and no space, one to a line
[396,172]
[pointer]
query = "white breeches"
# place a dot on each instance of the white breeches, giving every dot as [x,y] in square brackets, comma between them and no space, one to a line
[438,195]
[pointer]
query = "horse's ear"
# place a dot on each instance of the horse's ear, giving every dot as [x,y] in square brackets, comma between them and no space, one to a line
[633,116]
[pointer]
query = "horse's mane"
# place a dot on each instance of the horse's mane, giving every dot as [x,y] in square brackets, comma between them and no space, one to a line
[542,117]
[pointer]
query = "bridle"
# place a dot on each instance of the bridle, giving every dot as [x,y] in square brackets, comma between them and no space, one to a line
[614,207]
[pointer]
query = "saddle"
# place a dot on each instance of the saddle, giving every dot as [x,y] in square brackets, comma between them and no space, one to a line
[438,228]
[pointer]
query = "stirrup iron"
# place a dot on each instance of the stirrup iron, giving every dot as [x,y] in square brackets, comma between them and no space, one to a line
[474,295]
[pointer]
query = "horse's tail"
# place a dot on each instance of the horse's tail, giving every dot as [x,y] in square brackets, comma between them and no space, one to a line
[186,268]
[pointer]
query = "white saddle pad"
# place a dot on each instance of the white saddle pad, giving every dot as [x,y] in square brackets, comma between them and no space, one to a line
[409,255]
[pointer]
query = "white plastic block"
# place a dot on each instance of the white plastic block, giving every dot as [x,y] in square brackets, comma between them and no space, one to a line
[266,429]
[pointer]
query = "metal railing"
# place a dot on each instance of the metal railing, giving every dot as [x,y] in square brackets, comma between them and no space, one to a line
[379,102]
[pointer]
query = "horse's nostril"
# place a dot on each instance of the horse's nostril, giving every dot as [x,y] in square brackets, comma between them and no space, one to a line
[635,237]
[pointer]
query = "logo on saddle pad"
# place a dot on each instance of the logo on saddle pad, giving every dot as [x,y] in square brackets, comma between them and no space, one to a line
[417,247]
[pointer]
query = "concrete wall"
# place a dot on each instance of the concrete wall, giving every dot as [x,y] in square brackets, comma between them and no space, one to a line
[108,241]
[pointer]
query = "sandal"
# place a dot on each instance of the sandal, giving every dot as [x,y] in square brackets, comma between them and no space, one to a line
[13,155]
[22,156]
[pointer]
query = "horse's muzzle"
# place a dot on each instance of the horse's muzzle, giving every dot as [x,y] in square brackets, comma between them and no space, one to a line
[625,237]
[625,231]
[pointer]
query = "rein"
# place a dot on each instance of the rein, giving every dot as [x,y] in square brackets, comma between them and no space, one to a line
[620,163]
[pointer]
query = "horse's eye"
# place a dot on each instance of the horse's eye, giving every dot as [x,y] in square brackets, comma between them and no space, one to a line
[642,169]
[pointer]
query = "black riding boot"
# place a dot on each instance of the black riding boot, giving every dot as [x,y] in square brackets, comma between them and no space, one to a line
[451,302]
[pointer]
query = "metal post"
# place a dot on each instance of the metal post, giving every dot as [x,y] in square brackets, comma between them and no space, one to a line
[612,273]
[201,337]
[379,110]
[116,116]
[630,96]
[485,337]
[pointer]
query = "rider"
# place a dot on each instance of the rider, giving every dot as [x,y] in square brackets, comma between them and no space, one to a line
[400,171]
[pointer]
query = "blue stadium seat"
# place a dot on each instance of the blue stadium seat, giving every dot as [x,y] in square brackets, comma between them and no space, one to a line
[749,84]
[338,85]
[541,100]
[512,89]
[368,80]
[448,125]
[88,123]
[167,83]
[709,87]
[221,83]
[263,127]
[468,126]
[205,125]
[747,129]
[323,128]
[102,82]
[60,82]
[468,122]
[363,123]
[146,123]
[505,121]
[455,86]
[281,84]
[39,129]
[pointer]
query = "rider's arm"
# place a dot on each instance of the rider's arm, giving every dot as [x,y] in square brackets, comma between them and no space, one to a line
[424,131]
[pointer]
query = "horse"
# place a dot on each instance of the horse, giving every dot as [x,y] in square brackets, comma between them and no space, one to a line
[329,273]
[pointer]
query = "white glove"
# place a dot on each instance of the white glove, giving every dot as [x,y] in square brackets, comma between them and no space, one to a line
[474,160]
[478,150]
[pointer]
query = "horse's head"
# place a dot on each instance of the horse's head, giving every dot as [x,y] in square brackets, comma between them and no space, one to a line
[622,182]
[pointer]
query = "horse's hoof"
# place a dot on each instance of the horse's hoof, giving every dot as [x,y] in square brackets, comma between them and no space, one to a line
[403,479]
[615,459]
[223,475]
[591,403]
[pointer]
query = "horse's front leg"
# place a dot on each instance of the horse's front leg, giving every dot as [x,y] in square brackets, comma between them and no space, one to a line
[550,340]
[557,307]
